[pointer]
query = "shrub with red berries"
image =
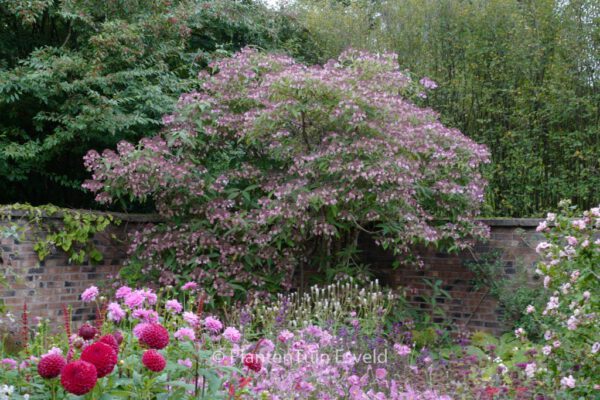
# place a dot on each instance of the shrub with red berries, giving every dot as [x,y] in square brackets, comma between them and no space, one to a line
[153,360]
[102,356]
[79,377]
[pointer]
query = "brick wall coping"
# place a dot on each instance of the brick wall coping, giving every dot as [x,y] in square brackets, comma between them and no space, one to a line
[137,217]
[512,222]
[134,217]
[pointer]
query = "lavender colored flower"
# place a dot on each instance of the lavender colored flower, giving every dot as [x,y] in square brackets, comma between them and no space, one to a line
[114,312]
[185,334]
[212,324]
[232,334]
[89,294]
[173,306]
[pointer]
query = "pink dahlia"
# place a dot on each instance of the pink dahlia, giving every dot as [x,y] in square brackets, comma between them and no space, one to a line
[78,377]
[232,334]
[145,315]
[212,324]
[134,299]
[50,365]
[101,356]
[185,333]
[149,296]
[122,292]
[191,319]
[115,312]
[174,306]
[89,294]
[153,360]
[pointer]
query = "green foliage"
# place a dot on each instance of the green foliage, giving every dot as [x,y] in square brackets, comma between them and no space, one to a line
[73,234]
[514,293]
[84,74]
[519,76]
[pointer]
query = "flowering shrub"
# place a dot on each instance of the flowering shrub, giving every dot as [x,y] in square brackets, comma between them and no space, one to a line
[571,319]
[273,163]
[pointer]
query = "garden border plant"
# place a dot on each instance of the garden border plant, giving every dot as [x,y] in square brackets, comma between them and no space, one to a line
[274,166]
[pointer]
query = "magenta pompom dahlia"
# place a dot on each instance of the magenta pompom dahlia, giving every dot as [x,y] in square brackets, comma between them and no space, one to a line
[153,360]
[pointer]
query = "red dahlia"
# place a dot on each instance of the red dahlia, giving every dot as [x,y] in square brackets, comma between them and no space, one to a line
[153,360]
[154,336]
[87,331]
[102,356]
[252,361]
[51,365]
[111,341]
[78,377]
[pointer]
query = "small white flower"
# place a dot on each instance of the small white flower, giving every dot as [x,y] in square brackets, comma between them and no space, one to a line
[530,309]
[568,381]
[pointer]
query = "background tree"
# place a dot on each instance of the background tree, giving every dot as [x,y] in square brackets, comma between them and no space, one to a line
[519,76]
[81,74]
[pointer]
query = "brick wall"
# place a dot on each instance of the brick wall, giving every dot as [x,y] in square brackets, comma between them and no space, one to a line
[49,284]
[513,239]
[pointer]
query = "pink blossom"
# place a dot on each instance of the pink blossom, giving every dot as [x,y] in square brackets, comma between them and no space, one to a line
[189,286]
[285,336]
[115,312]
[212,324]
[402,350]
[145,315]
[9,362]
[579,224]
[185,333]
[380,373]
[568,381]
[149,296]
[134,299]
[530,309]
[89,294]
[232,334]
[173,306]
[53,350]
[191,318]
[428,83]
[542,227]
[542,247]
[122,292]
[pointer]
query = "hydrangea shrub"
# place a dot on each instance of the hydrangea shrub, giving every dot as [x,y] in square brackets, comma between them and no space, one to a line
[273,165]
